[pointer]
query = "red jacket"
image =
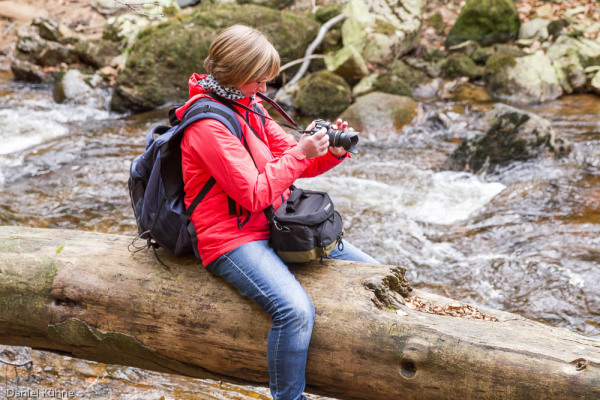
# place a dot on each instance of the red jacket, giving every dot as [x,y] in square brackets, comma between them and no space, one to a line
[208,149]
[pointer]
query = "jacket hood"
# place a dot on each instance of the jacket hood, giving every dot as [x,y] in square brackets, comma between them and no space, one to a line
[196,91]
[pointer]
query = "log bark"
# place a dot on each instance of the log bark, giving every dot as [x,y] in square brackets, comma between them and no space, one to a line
[84,294]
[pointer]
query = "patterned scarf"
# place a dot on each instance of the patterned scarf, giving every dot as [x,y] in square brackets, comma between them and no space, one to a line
[210,83]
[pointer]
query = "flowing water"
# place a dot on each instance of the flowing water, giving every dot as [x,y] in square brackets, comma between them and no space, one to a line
[524,239]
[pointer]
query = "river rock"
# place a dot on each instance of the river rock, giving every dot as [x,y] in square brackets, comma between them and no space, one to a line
[29,72]
[514,135]
[526,80]
[382,30]
[54,30]
[75,87]
[536,29]
[467,48]
[97,53]
[486,22]
[570,74]
[378,115]
[164,56]
[364,86]
[587,50]
[322,94]
[347,63]
[36,50]
[109,7]
[459,64]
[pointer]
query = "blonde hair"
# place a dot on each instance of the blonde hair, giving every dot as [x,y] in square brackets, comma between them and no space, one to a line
[241,54]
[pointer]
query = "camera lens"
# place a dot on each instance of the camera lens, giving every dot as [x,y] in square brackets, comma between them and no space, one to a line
[346,140]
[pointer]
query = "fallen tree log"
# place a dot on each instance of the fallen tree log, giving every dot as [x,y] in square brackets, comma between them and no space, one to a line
[84,294]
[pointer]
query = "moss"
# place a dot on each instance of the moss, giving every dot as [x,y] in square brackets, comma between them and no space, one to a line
[498,62]
[322,94]
[481,55]
[163,57]
[392,84]
[486,22]
[458,64]
[328,11]
[385,27]
[434,55]
[437,22]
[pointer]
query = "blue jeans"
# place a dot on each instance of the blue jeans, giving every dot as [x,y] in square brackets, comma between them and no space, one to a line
[256,271]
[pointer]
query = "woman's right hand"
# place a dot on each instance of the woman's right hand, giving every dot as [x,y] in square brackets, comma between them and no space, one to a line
[314,145]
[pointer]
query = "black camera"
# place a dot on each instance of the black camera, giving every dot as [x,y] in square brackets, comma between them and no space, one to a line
[337,138]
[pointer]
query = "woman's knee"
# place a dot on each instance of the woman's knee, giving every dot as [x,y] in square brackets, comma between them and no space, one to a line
[298,311]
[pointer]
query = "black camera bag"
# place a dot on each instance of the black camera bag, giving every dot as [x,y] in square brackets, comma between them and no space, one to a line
[306,227]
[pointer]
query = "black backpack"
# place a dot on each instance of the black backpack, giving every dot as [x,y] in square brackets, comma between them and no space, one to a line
[156,181]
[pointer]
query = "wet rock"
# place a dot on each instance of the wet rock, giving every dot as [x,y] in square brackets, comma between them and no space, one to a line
[382,30]
[347,63]
[378,115]
[514,135]
[322,94]
[526,80]
[482,54]
[431,67]
[75,87]
[29,72]
[164,56]
[486,22]
[471,93]
[536,29]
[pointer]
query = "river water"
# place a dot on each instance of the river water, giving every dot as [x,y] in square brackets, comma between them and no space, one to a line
[524,239]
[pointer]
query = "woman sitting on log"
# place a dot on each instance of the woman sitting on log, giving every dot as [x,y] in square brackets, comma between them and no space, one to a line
[252,174]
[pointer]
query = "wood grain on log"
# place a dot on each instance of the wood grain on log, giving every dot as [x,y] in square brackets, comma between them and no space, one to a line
[84,294]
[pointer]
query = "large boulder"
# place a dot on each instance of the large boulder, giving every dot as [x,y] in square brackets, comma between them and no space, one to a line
[486,22]
[514,135]
[383,30]
[378,115]
[163,57]
[525,80]
[322,94]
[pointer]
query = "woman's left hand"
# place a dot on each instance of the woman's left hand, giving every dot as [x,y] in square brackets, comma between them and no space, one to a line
[340,126]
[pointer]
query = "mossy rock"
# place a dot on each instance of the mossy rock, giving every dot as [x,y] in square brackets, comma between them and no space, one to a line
[164,57]
[378,115]
[486,22]
[322,94]
[514,135]
[498,62]
[458,64]
[328,11]
[392,84]
[482,54]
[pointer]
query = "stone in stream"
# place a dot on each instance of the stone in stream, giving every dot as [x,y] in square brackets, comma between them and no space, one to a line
[514,135]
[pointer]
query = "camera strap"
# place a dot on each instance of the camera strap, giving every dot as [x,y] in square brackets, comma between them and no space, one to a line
[272,102]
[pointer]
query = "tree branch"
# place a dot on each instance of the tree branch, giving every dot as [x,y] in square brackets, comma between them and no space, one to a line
[311,48]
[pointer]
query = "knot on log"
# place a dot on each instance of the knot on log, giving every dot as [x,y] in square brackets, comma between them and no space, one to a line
[580,364]
[391,289]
